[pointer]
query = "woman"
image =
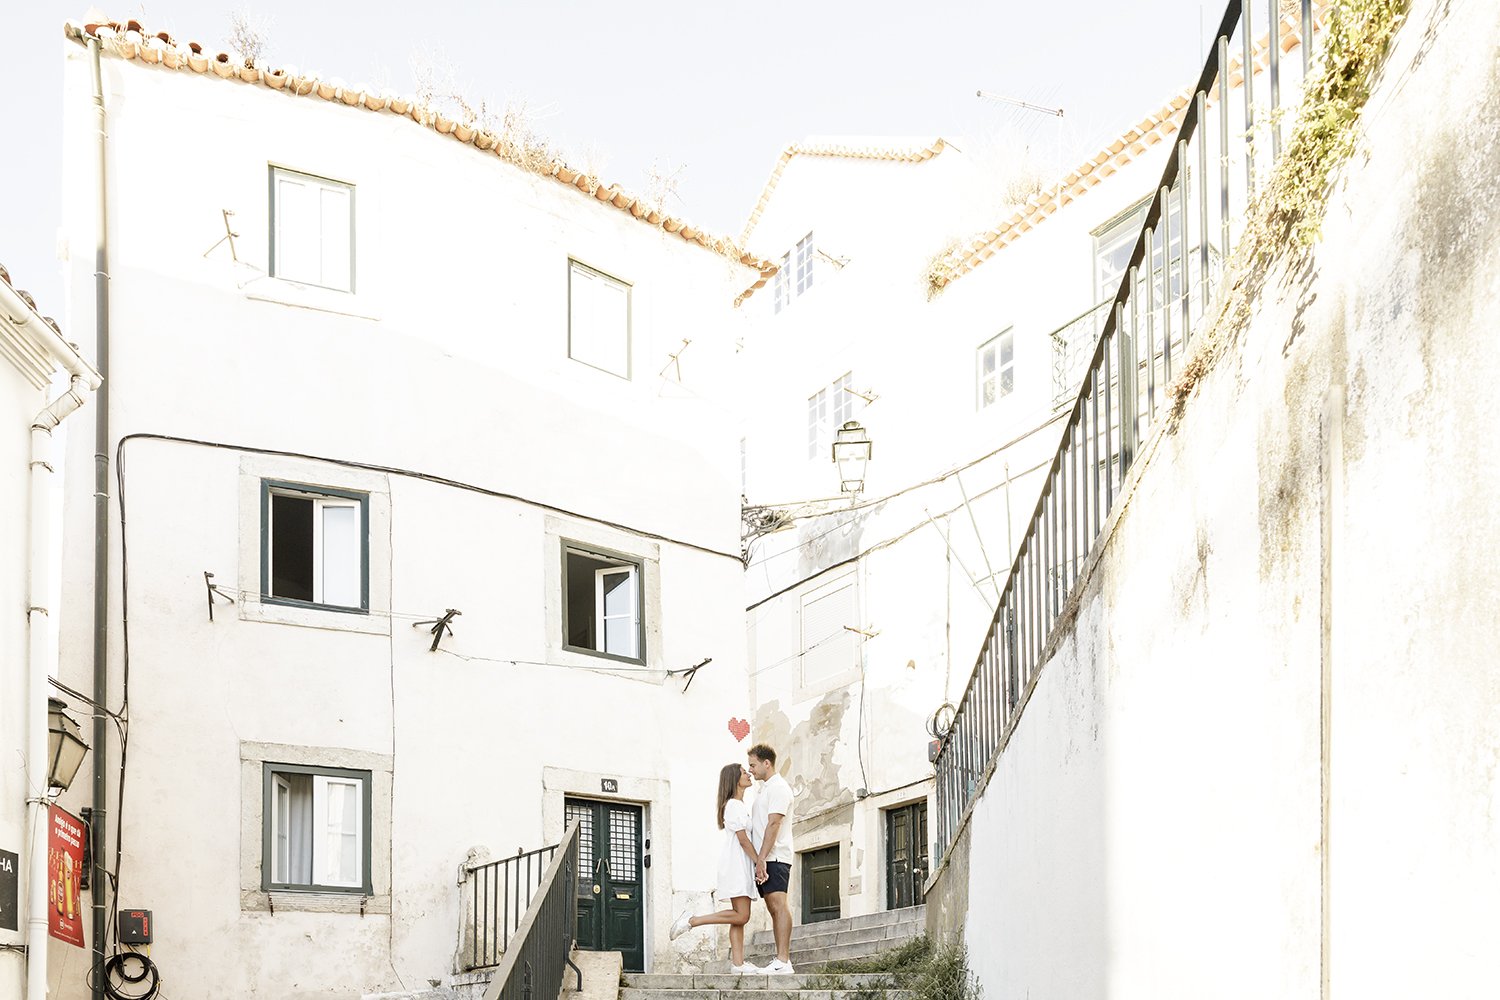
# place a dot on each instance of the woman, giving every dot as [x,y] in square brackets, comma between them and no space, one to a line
[736,869]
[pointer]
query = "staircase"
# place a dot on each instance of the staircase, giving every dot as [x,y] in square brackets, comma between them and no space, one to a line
[730,987]
[844,940]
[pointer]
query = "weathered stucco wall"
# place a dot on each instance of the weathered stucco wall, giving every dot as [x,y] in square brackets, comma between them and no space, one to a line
[1293,602]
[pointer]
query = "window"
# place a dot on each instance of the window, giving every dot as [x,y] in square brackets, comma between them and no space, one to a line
[602,604]
[795,275]
[997,369]
[1115,241]
[829,649]
[317,829]
[828,409]
[312,230]
[314,547]
[598,320]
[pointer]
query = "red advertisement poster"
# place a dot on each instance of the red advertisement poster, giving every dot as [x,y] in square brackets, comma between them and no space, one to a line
[64,866]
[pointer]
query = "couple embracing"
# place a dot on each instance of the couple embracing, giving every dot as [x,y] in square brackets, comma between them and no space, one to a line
[755,860]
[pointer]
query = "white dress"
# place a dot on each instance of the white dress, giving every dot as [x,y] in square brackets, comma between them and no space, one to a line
[736,872]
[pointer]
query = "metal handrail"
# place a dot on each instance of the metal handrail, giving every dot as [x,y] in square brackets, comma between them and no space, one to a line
[1120,398]
[499,894]
[532,967]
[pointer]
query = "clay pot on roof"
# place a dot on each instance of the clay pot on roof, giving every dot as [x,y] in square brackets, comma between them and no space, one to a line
[276,79]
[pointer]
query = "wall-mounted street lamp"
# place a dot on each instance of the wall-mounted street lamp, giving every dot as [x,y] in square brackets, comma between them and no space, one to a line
[65,746]
[851,453]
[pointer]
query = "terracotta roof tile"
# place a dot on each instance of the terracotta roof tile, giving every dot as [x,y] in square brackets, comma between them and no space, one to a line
[129,41]
[908,154]
[1152,129]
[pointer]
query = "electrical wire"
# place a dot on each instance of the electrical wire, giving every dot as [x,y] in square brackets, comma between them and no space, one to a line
[425,477]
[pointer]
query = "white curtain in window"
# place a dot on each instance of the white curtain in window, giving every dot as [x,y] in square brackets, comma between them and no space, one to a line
[598,322]
[338,852]
[338,548]
[292,829]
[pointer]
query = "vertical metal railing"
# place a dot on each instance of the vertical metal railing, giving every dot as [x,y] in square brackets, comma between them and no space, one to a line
[498,895]
[532,967]
[1164,294]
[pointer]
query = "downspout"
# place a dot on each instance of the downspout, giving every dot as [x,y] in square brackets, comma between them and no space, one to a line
[98,881]
[40,586]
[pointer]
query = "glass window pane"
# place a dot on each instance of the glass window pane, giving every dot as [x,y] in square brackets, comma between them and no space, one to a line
[598,332]
[336,238]
[341,568]
[1007,350]
[296,212]
[291,545]
[339,851]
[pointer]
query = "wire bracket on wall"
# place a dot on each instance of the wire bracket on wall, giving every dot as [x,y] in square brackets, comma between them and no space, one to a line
[690,672]
[440,626]
[674,361]
[229,237]
[869,632]
[214,592]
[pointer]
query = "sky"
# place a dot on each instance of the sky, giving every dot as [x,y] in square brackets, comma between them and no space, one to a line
[704,92]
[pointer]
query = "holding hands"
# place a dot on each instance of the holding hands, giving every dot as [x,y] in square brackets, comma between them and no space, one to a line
[760,871]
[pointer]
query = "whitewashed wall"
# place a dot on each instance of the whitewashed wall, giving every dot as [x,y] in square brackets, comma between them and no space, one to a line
[450,359]
[1304,542]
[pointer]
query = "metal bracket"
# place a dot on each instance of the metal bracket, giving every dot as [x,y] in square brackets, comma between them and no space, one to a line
[213,591]
[440,627]
[691,672]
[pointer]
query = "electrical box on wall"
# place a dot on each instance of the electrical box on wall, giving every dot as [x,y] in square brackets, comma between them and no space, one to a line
[135,926]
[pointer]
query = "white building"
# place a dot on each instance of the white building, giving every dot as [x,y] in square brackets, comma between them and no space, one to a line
[372,364]
[960,353]
[43,380]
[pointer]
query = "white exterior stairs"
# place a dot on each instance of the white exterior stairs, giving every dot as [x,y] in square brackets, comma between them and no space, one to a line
[847,939]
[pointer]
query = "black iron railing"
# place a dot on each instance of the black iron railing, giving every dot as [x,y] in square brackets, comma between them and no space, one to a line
[541,947]
[499,893]
[1163,294]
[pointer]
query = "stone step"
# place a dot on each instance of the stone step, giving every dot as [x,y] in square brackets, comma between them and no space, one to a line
[911,914]
[820,938]
[770,992]
[726,981]
[816,957]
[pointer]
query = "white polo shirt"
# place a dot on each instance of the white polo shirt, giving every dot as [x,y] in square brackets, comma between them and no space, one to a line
[775,796]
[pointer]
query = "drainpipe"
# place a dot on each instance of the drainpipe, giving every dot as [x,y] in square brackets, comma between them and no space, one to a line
[37,616]
[39,586]
[101,525]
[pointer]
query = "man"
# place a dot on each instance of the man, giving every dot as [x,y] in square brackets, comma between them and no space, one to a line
[771,834]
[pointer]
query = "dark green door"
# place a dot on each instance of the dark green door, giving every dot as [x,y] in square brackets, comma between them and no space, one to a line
[611,910]
[820,884]
[906,855]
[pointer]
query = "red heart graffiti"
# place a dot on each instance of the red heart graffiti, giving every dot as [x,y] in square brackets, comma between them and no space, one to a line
[739,729]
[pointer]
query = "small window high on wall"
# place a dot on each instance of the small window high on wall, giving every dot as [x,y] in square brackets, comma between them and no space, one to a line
[312,230]
[997,369]
[602,604]
[598,320]
[314,546]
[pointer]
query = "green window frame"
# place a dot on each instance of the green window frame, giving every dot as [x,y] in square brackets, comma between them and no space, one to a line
[269,787]
[605,564]
[270,488]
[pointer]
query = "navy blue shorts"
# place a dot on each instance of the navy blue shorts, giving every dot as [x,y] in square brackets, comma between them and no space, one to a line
[778,878]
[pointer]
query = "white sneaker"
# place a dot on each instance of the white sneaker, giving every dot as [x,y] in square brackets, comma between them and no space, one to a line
[748,969]
[680,926]
[779,968]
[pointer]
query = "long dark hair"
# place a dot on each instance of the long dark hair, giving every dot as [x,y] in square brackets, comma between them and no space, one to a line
[729,783]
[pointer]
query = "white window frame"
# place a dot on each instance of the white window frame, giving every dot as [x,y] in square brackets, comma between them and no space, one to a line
[579,271]
[632,574]
[1122,231]
[998,371]
[279,268]
[829,409]
[321,500]
[794,277]
[276,835]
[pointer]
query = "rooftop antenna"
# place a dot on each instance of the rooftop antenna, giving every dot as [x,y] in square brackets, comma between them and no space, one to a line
[987,96]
